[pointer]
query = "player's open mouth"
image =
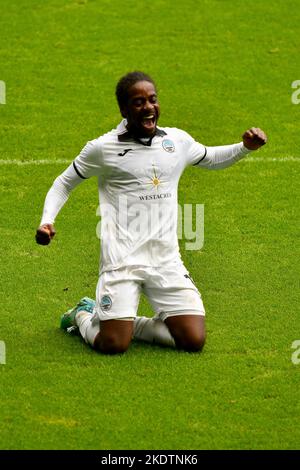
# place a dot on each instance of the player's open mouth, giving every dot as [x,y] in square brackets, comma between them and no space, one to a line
[149,121]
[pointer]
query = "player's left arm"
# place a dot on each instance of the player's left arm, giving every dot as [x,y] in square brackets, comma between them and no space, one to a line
[219,157]
[254,138]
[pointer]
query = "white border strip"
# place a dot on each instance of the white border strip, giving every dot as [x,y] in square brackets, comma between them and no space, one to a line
[35,162]
[68,162]
[272,159]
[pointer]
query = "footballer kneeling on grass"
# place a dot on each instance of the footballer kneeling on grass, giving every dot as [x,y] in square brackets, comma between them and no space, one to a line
[140,163]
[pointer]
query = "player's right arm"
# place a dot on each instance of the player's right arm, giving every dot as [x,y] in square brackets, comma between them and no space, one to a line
[44,234]
[85,165]
[56,197]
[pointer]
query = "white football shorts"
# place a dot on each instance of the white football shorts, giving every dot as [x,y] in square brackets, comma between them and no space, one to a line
[170,290]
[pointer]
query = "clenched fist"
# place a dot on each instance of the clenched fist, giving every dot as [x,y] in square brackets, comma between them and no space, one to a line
[254,138]
[44,234]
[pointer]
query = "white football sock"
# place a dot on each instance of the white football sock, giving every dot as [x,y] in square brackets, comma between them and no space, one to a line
[152,330]
[89,326]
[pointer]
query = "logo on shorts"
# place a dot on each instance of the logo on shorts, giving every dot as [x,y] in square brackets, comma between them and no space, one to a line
[106,303]
[168,145]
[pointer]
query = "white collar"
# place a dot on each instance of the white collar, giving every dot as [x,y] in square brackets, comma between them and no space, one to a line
[121,128]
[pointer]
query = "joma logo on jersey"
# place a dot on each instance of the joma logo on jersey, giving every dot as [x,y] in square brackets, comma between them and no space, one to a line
[122,154]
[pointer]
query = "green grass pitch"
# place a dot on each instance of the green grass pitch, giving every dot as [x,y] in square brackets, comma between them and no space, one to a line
[221,67]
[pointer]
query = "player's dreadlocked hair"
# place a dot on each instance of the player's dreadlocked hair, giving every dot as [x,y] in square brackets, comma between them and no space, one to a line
[126,82]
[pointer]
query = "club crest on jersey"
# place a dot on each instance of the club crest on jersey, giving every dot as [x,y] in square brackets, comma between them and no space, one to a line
[105,303]
[168,145]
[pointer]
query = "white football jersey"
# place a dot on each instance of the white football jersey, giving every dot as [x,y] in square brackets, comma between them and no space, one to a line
[138,183]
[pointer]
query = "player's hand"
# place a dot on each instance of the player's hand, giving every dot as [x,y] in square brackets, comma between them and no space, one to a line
[44,234]
[254,138]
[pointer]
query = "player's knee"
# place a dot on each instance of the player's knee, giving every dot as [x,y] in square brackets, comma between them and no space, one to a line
[188,331]
[191,342]
[197,342]
[111,344]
